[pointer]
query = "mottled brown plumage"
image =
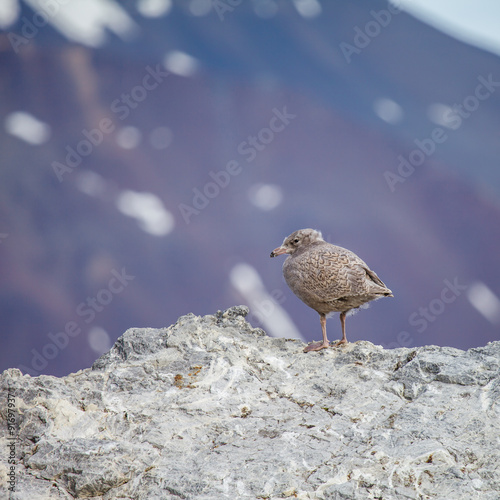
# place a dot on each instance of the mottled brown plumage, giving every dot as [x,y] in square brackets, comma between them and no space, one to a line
[327,278]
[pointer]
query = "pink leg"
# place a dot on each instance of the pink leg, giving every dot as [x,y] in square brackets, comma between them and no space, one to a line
[316,346]
[343,340]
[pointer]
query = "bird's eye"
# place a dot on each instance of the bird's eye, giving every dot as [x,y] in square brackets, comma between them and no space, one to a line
[296,240]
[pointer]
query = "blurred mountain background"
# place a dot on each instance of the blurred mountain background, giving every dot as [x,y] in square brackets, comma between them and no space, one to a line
[154,152]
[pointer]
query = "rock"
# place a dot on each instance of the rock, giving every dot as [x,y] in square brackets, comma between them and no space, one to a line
[211,408]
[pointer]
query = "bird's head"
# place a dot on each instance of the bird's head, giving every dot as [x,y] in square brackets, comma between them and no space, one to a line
[296,240]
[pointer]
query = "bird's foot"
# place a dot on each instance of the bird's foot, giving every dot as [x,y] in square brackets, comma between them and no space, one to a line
[316,346]
[340,342]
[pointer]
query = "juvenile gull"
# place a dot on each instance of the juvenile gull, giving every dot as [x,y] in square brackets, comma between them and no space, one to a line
[327,278]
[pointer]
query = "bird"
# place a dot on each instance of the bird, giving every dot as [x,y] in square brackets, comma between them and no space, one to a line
[327,278]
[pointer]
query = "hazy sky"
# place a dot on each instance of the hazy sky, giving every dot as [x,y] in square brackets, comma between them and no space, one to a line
[472,21]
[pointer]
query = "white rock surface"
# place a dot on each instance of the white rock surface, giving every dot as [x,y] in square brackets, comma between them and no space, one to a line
[211,408]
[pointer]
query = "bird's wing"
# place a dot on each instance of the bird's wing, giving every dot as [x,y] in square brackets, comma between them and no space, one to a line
[372,275]
[330,273]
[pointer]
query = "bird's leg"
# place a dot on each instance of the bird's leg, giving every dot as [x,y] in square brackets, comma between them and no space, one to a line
[343,340]
[316,346]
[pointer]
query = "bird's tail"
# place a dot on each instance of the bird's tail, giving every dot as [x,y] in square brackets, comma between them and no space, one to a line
[381,289]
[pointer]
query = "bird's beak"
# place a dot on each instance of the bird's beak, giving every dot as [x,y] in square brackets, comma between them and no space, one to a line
[278,251]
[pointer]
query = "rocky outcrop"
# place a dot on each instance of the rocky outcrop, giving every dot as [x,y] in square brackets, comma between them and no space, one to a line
[211,408]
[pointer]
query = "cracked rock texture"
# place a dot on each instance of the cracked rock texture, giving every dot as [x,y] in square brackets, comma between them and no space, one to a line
[211,408]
